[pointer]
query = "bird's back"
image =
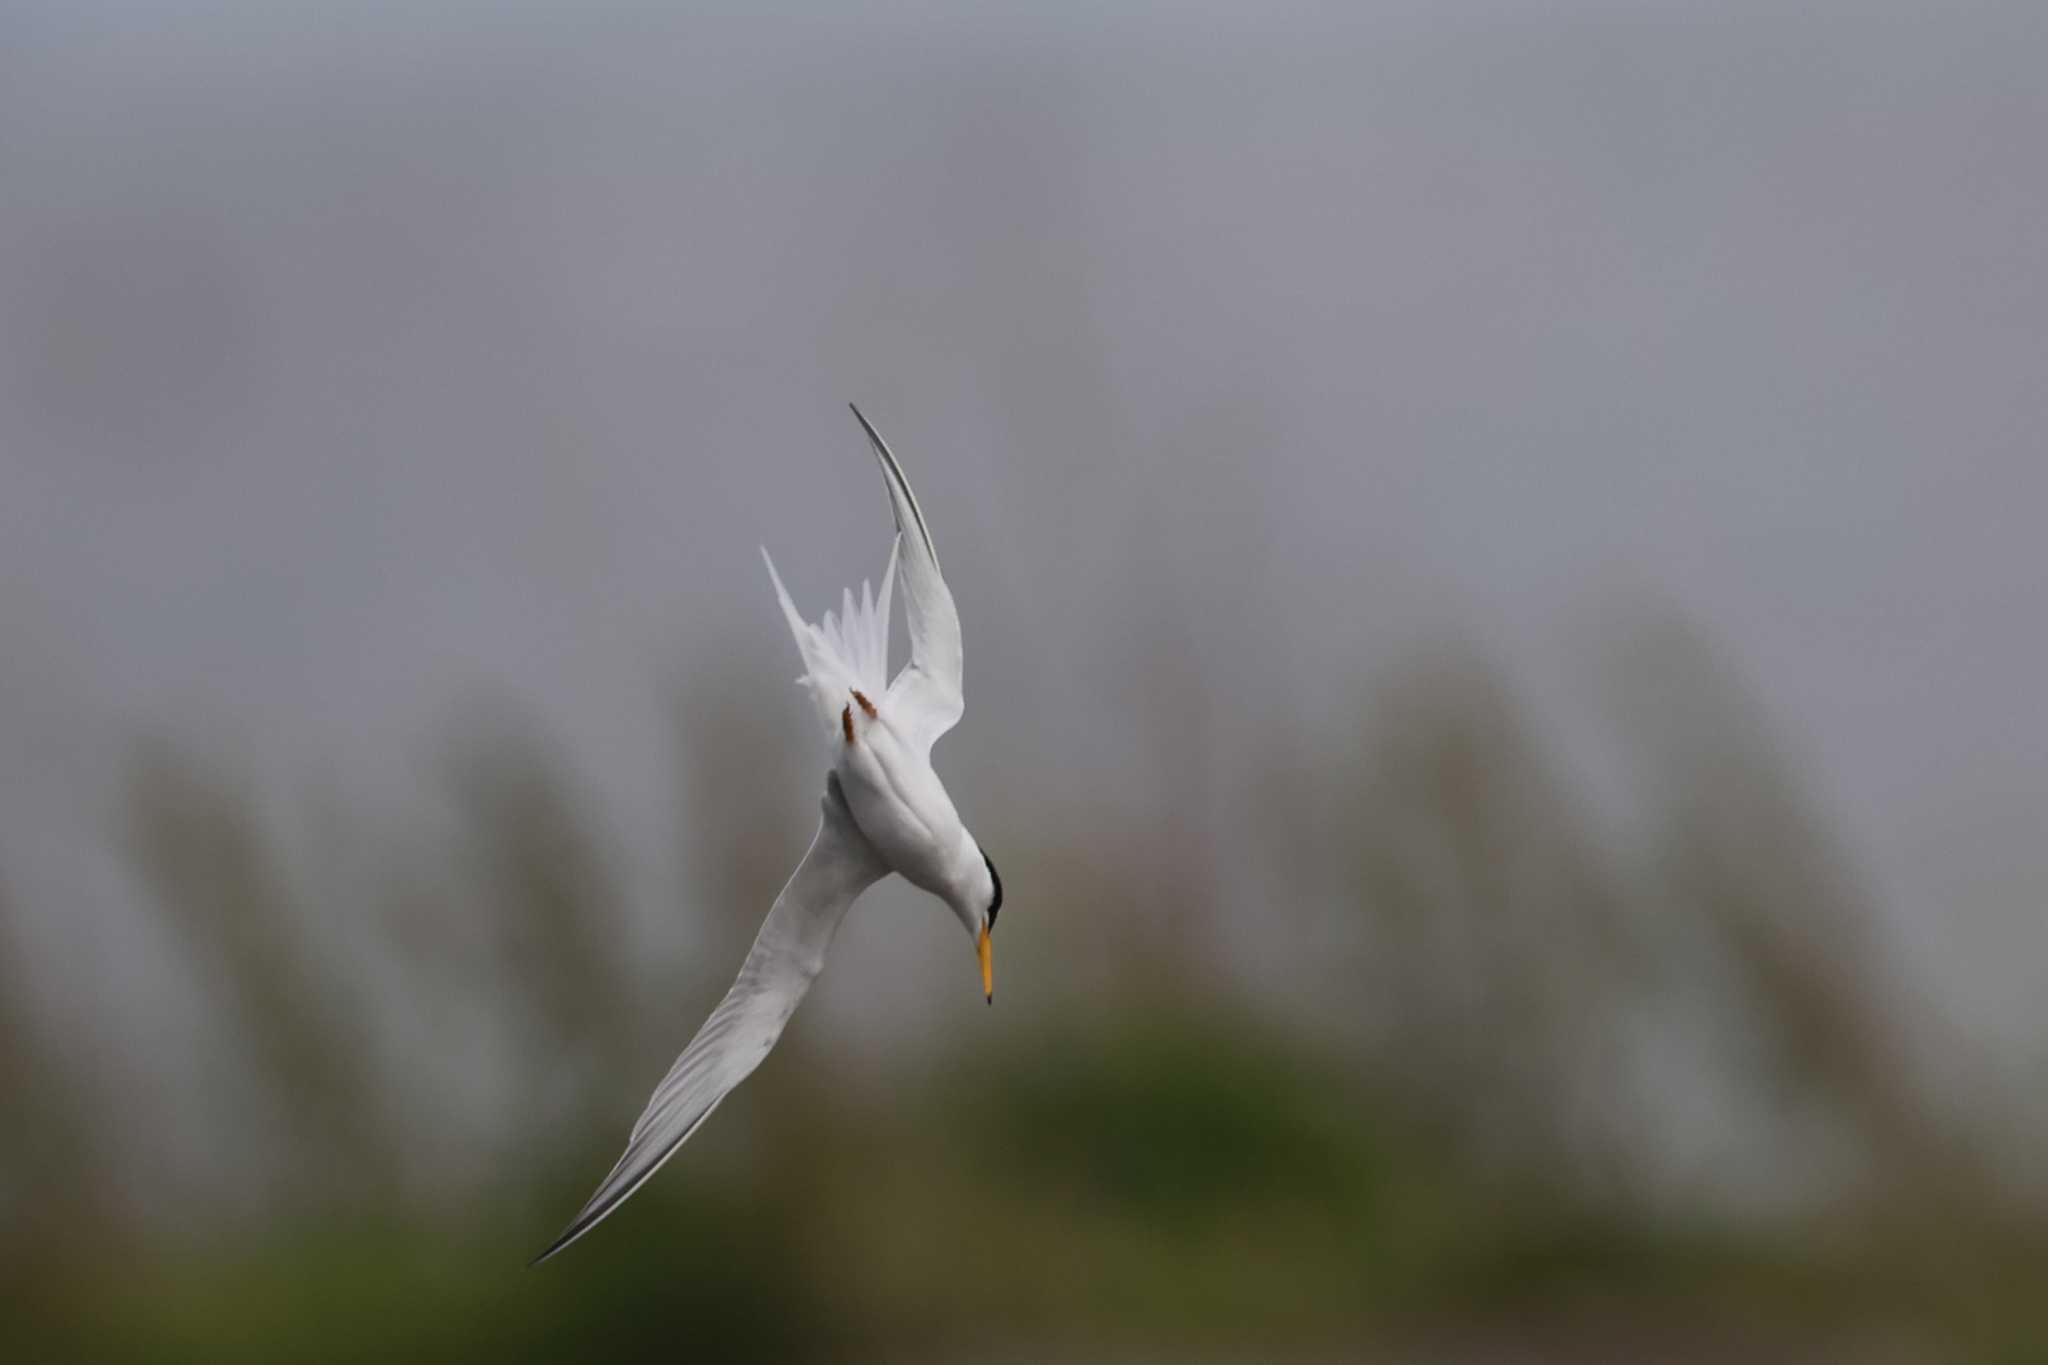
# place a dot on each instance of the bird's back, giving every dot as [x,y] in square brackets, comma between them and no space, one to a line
[899,803]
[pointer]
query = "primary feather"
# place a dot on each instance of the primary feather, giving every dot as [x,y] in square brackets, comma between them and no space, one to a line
[926,695]
[786,957]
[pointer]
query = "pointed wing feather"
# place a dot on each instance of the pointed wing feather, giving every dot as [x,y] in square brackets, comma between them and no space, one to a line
[926,695]
[787,954]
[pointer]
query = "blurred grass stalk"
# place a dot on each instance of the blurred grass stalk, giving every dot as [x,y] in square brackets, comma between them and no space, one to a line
[1499,1132]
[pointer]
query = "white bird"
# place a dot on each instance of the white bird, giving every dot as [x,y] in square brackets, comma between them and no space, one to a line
[885,811]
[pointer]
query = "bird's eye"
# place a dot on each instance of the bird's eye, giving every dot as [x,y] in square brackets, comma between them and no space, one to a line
[997,903]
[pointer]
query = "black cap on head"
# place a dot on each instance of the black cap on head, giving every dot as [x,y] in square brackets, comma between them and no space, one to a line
[993,876]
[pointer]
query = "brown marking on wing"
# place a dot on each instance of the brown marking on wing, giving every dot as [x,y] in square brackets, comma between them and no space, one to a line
[846,722]
[865,705]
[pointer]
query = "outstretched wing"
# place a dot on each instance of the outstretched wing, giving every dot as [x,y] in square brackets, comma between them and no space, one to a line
[787,955]
[925,698]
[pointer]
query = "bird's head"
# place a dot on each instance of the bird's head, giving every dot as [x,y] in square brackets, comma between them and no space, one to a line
[977,905]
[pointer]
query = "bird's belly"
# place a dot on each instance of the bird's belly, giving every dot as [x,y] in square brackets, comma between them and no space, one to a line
[904,813]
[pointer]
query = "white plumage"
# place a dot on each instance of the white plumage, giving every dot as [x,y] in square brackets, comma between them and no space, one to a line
[846,653]
[884,810]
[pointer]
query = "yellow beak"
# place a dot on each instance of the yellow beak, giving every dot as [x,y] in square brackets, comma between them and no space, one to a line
[988,971]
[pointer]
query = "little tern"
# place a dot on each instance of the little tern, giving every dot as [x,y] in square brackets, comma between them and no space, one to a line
[885,811]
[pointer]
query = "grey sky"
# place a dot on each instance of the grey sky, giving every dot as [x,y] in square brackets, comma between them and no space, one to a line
[352,365]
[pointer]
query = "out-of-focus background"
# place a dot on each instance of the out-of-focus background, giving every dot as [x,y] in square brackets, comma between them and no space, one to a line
[1501,555]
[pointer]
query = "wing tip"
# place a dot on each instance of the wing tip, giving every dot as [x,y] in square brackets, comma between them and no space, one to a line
[874,437]
[893,472]
[562,1243]
[600,1207]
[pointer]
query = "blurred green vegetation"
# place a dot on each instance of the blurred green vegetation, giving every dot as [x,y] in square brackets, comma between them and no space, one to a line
[1451,1144]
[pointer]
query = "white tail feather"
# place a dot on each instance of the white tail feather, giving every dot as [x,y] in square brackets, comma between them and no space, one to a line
[845,652]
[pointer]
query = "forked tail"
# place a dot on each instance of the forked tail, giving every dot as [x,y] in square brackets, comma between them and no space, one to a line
[846,653]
